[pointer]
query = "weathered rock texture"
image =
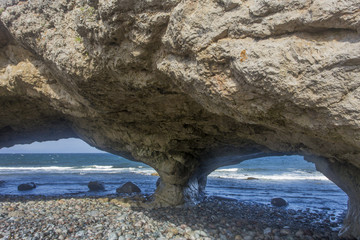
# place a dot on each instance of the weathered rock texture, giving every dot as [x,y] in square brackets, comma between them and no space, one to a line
[188,86]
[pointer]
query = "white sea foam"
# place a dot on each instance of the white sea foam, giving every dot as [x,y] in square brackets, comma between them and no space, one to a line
[231,173]
[81,170]
[227,170]
[291,176]
[34,168]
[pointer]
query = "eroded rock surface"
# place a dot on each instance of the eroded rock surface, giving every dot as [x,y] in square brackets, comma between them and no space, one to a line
[188,86]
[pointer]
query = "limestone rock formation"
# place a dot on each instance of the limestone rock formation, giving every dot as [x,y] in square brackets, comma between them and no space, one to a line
[188,86]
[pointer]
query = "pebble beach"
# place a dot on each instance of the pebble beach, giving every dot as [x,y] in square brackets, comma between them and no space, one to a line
[114,218]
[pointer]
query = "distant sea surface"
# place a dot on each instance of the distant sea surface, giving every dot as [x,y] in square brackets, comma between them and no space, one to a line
[289,177]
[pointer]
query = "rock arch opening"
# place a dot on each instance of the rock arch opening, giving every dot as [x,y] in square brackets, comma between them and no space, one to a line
[288,177]
[65,167]
[344,176]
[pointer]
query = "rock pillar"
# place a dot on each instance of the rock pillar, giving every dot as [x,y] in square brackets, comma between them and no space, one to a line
[347,177]
[185,184]
[173,188]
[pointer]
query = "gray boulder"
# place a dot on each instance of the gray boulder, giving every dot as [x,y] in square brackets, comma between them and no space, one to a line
[128,188]
[279,202]
[26,186]
[96,186]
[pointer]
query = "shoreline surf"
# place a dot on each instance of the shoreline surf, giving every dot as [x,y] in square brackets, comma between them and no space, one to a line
[287,177]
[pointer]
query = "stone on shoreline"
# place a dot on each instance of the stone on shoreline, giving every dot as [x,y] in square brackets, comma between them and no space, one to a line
[26,186]
[112,236]
[252,178]
[278,202]
[96,186]
[267,231]
[128,188]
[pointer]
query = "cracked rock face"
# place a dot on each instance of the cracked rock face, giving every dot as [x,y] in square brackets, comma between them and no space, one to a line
[188,86]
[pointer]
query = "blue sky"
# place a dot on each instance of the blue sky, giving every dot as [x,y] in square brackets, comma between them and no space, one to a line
[70,145]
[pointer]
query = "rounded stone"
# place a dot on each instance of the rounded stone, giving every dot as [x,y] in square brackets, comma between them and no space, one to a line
[279,202]
[26,186]
[96,186]
[128,188]
[112,236]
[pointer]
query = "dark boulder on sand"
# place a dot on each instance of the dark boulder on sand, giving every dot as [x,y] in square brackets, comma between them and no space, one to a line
[96,186]
[26,186]
[128,187]
[279,202]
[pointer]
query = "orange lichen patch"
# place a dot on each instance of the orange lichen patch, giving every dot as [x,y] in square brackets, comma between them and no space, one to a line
[243,56]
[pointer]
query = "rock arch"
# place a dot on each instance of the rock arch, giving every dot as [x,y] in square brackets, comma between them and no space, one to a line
[170,83]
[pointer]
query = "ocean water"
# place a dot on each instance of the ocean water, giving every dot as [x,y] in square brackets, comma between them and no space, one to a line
[69,174]
[289,177]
